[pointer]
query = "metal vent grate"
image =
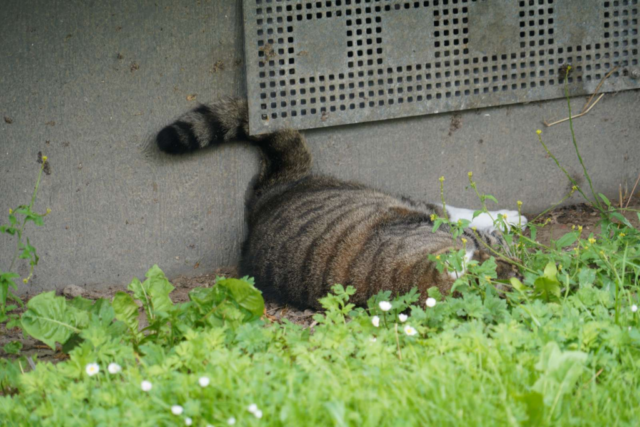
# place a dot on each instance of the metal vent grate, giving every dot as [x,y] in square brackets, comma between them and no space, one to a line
[315,63]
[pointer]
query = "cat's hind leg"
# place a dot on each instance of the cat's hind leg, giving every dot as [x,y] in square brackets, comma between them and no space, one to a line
[485,221]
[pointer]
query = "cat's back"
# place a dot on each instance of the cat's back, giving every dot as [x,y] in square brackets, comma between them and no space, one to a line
[318,231]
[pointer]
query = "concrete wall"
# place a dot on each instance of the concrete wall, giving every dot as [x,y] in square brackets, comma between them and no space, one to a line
[89,83]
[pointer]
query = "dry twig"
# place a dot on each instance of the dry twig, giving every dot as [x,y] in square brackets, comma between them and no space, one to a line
[632,192]
[577,115]
[588,105]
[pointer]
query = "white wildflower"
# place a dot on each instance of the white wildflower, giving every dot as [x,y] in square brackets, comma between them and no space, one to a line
[92,369]
[145,385]
[431,302]
[409,330]
[176,409]
[231,421]
[375,320]
[385,305]
[188,421]
[258,414]
[203,381]
[373,339]
[114,368]
[402,317]
[634,308]
[252,408]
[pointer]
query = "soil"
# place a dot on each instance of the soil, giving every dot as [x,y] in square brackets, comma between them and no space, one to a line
[559,221]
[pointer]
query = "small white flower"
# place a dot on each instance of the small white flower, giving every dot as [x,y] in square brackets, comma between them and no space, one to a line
[188,421]
[114,368]
[402,317]
[203,381]
[431,302]
[258,414]
[410,330]
[634,308]
[374,339]
[145,385]
[252,408]
[385,305]
[375,320]
[231,421]
[176,409]
[92,369]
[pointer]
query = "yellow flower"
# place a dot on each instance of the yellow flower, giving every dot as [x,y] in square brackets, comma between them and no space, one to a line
[574,188]
[48,210]
[539,132]
[559,266]
[442,179]
[573,227]
[622,234]
[464,241]
[433,217]
[437,256]
[44,158]
[474,228]
[577,248]
[519,203]
[487,278]
[592,240]
[580,228]
[25,281]
[10,211]
[470,174]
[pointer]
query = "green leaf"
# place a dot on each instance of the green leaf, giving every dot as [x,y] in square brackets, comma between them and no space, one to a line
[517,284]
[604,199]
[534,404]
[550,271]
[154,292]
[246,295]
[566,240]
[490,197]
[622,219]
[560,372]
[126,310]
[586,276]
[548,286]
[13,347]
[49,320]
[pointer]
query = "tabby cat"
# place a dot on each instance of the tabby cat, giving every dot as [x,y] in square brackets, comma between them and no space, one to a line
[308,231]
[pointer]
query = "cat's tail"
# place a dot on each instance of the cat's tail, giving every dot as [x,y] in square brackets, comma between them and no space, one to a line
[285,153]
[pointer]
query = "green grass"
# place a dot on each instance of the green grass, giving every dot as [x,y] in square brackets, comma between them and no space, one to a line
[474,361]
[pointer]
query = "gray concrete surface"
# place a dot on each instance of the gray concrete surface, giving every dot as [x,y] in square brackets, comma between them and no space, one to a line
[89,83]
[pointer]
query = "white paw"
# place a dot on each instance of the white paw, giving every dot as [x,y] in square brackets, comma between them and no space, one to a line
[456,274]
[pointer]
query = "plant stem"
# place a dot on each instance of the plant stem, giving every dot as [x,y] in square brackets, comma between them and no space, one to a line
[575,144]
[24,221]
[573,181]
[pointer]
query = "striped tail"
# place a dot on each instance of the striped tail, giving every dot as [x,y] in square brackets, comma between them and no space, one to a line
[285,154]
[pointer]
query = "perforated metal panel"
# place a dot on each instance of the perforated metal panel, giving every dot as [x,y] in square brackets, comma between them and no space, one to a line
[314,63]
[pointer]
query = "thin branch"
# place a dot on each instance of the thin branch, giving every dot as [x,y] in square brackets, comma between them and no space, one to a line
[577,115]
[598,88]
[632,192]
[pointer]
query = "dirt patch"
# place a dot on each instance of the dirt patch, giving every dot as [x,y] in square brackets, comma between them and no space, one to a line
[456,123]
[561,220]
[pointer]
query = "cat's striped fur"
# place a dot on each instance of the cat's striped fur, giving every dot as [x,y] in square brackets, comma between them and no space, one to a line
[307,231]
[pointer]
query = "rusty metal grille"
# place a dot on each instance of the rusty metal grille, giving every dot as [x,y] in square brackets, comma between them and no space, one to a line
[317,63]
